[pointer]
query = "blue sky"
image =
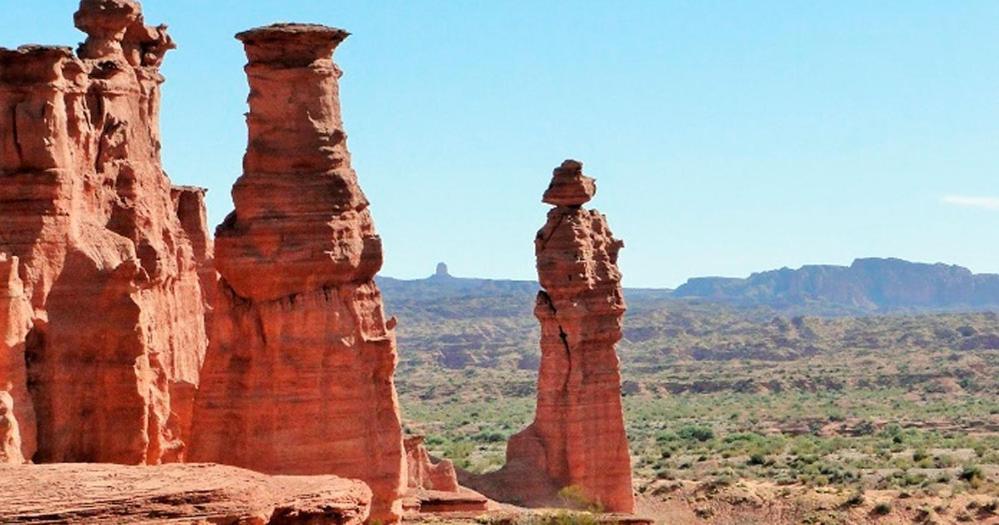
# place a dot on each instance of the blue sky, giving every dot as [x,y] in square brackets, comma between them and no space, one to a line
[726,137]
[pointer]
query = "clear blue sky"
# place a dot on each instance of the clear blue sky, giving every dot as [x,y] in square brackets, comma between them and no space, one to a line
[726,137]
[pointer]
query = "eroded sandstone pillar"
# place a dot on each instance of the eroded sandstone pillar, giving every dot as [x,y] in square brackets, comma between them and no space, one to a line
[15,323]
[115,318]
[10,433]
[299,375]
[577,443]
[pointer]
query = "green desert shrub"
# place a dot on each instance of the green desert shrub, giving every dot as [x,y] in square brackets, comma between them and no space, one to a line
[696,433]
[882,508]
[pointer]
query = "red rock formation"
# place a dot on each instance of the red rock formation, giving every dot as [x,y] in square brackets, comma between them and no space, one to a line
[189,205]
[104,264]
[192,493]
[298,379]
[577,438]
[424,472]
[10,434]
[15,323]
[433,484]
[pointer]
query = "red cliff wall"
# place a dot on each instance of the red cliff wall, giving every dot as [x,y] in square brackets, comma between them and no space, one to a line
[298,379]
[107,319]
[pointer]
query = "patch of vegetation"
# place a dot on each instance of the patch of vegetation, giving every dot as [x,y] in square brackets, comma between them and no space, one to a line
[714,394]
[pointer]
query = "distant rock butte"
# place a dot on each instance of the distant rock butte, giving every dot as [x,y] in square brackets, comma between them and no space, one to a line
[299,375]
[101,312]
[577,438]
[192,493]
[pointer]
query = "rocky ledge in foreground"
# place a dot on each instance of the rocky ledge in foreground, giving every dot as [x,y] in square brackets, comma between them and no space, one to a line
[105,493]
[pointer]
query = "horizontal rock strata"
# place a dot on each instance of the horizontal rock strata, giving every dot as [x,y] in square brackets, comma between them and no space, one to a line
[299,376]
[189,493]
[577,444]
[101,313]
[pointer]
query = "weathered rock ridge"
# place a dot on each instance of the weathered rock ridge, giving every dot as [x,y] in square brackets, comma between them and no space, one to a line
[192,493]
[101,313]
[426,473]
[577,438]
[433,485]
[299,375]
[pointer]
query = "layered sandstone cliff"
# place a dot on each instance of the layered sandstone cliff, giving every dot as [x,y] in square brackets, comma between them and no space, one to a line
[577,440]
[101,314]
[299,376]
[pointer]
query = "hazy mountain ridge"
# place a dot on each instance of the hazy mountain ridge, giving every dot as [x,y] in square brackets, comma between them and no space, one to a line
[868,285]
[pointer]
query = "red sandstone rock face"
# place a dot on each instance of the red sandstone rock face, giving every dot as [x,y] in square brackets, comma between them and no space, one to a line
[107,322]
[10,434]
[577,438]
[189,206]
[298,379]
[423,472]
[192,493]
[15,323]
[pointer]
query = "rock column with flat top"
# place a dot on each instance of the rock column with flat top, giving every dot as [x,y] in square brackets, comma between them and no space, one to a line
[299,374]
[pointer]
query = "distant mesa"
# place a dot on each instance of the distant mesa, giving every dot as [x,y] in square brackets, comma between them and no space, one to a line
[867,285]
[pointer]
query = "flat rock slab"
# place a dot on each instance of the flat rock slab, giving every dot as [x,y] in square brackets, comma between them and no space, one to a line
[444,502]
[189,493]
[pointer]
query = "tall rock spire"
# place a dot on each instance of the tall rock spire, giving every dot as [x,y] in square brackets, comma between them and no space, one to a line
[577,438]
[299,375]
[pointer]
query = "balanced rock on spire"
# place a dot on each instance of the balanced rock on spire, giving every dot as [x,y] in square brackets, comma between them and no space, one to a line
[577,438]
[569,187]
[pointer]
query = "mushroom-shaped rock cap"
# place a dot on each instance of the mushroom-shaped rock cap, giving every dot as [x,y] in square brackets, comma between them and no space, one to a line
[569,187]
[294,45]
[106,18]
